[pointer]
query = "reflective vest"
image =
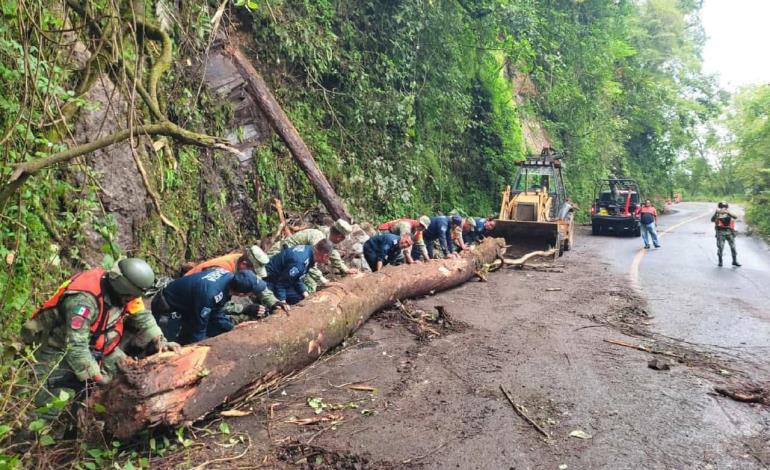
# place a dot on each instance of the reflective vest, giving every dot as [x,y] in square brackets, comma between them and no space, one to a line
[722,225]
[226,262]
[90,282]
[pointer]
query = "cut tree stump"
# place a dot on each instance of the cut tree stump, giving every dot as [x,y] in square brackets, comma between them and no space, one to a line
[169,388]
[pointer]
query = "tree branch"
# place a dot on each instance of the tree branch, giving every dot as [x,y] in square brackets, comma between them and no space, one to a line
[24,170]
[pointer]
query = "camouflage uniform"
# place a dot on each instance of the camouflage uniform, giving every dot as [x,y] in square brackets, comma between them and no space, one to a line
[65,356]
[311,236]
[726,233]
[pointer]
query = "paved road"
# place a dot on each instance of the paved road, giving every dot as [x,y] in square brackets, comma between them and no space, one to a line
[690,297]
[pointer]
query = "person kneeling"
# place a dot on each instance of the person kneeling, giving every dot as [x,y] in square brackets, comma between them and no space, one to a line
[385,248]
[287,270]
[199,301]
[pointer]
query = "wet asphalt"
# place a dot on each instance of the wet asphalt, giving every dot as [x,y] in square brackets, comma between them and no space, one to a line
[689,296]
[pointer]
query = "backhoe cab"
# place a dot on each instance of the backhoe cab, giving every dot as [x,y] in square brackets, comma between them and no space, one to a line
[536,208]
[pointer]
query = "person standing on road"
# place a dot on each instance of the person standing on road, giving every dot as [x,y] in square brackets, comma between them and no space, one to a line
[648,219]
[724,224]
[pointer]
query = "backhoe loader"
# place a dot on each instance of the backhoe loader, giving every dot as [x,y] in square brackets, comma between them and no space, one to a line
[535,209]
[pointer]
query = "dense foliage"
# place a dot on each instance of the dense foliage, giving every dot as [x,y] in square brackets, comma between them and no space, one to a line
[748,156]
[413,99]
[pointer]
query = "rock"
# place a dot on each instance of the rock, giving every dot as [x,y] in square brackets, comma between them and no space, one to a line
[658,364]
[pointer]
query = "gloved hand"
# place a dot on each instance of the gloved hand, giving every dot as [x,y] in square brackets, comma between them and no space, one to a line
[254,310]
[101,379]
[281,305]
[161,344]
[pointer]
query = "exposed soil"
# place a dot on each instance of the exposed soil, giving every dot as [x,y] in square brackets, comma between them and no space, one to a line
[399,400]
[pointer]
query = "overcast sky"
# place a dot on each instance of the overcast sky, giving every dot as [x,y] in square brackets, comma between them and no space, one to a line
[738,46]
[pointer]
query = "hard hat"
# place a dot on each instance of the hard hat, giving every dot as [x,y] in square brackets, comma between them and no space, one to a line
[343,227]
[131,277]
[246,282]
[425,221]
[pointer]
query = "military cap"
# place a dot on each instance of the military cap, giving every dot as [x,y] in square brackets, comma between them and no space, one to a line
[342,226]
[425,221]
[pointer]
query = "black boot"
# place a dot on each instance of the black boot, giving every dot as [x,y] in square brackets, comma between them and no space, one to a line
[736,263]
[720,262]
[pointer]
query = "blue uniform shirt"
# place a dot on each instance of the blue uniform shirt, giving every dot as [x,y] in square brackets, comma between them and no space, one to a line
[199,299]
[478,231]
[383,247]
[289,267]
[437,230]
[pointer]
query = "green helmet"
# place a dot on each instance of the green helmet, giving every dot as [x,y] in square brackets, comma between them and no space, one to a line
[131,277]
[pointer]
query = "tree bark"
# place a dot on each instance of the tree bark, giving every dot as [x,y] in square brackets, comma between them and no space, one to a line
[258,89]
[169,388]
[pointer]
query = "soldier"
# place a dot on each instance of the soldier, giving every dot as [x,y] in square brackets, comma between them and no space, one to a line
[386,248]
[439,230]
[476,228]
[80,329]
[338,232]
[287,271]
[253,259]
[412,227]
[199,300]
[724,224]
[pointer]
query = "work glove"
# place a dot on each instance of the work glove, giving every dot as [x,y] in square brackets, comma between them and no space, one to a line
[281,305]
[101,379]
[254,310]
[161,344]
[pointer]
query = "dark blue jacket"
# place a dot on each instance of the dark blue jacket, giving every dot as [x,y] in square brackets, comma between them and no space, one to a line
[289,267]
[199,298]
[438,230]
[477,232]
[383,247]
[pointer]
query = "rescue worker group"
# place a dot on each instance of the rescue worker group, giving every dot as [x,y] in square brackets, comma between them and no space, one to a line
[98,317]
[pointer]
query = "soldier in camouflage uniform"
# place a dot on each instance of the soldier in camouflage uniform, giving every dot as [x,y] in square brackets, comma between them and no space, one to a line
[724,224]
[83,329]
[336,234]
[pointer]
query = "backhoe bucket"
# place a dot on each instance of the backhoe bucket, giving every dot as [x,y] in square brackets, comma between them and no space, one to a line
[528,235]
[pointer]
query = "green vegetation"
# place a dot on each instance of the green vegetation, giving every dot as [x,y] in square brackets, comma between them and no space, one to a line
[410,107]
[746,164]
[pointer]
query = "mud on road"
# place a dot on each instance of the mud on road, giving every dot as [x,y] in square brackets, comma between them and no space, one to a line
[390,399]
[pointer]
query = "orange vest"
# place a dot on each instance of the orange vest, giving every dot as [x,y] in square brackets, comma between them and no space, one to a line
[90,282]
[730,225]
[226,262]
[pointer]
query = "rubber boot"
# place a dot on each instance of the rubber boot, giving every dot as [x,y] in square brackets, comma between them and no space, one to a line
[720,262]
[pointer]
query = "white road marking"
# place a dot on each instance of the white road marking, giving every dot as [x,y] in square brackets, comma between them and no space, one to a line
[634,270]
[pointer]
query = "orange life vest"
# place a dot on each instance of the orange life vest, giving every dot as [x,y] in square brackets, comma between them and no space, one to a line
[90,282]
[226,262]
[721,224]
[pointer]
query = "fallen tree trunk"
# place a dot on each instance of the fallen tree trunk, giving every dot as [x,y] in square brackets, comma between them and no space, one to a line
[169,388]
[258,89]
